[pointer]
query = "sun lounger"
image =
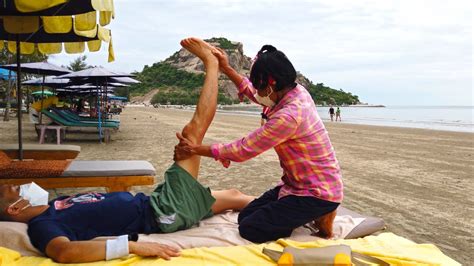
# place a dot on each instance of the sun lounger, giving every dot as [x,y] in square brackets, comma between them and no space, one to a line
[113,175]
[65,122]
[106,126]
[42,152]
[68,115]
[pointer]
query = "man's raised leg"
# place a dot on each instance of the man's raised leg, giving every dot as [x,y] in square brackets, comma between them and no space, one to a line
[195,130]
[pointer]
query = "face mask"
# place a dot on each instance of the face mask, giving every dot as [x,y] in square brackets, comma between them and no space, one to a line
[34,194]
[265,100]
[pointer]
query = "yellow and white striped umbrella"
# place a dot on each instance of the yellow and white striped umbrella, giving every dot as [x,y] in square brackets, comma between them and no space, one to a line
[49,25]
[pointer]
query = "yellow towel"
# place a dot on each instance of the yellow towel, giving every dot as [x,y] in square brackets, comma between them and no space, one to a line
[387,246]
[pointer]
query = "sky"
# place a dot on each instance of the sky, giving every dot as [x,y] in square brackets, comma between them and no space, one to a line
[386,52]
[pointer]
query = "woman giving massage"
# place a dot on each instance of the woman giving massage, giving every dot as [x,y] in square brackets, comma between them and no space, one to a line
[311,184]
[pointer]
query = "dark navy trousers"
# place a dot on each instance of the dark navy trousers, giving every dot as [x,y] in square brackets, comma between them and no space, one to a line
[269,218]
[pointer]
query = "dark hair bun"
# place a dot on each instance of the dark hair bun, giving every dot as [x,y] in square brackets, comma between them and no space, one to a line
[267,49]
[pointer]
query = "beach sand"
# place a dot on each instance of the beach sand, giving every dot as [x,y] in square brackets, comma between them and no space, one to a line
[419,181]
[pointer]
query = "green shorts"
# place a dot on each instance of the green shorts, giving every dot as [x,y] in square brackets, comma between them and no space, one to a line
[180,201]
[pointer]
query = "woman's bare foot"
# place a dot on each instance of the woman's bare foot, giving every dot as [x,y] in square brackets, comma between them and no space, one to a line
[201,49]
[325,223]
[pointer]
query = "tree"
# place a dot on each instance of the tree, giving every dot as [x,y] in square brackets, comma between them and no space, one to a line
[78,64]
[8,58]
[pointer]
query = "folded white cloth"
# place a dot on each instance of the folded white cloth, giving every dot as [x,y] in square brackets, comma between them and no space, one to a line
[344,224]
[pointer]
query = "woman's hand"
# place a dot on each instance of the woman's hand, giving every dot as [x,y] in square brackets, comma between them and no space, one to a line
[222,58]
[185,148]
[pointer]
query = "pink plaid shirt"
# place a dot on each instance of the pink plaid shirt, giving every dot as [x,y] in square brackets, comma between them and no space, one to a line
[294,129]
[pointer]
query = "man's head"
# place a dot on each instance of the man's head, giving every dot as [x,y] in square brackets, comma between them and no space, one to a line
[9,194]
[13,207]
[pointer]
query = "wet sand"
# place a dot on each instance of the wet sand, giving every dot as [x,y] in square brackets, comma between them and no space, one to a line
[419,181]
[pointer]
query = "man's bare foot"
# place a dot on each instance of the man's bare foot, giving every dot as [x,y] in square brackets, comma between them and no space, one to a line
[201,49]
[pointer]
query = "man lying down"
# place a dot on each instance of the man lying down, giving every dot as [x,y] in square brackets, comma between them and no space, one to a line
[64,229]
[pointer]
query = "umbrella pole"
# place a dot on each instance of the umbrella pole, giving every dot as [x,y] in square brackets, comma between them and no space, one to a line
[106,109]
[42,99]
[99,114]
[106,102]
[27,100]
[19,96]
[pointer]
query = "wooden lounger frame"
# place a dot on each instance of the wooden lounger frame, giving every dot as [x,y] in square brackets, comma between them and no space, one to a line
[111,183]
[43,155]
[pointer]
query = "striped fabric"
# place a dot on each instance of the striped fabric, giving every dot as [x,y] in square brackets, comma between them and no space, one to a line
[295,130]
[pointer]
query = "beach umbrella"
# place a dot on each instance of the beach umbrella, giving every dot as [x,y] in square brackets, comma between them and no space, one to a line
[43,92]
[39,68]
[48,81]
[46,25]
[95,73]
[92,86]
[99,76]
[7,74]
[125,80]
[81,89]
[51,7]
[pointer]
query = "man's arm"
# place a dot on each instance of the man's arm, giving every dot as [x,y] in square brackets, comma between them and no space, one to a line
[62,250]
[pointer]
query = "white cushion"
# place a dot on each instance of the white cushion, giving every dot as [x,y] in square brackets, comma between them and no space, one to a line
[109,168]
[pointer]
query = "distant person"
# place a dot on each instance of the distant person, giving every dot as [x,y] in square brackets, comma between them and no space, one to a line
[80,106]
[331,113]
[338,114]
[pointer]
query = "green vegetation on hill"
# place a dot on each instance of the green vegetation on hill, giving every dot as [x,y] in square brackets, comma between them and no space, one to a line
[163,75]
[223,43]
[177,97]
[174,86]
[325,95]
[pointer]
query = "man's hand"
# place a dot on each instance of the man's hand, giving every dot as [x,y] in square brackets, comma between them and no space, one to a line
[184,149]
[62,250]
[150,249]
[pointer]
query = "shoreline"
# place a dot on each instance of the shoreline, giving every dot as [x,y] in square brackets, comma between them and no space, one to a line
[379,124]
[419,181]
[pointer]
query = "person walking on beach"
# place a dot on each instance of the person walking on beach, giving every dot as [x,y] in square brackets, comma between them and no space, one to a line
[63,229]
[331,113]
[338,114]
[311,184]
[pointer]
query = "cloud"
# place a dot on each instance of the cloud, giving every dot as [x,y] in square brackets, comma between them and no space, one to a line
[371,48]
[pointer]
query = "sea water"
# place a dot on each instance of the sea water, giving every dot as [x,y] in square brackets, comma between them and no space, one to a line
[450,118]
